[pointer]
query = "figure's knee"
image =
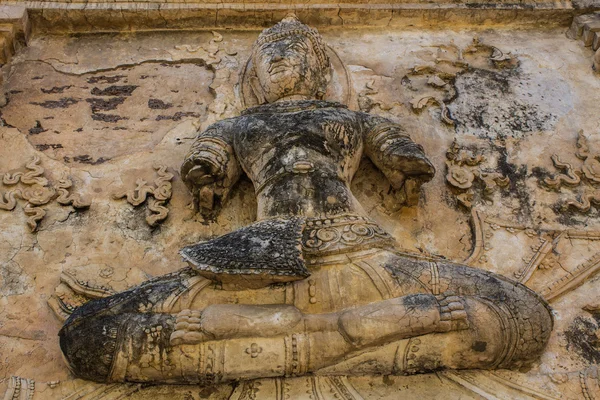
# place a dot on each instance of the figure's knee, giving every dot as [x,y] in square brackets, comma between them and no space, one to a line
[89,344]
[500,334]
[98,347]
[517,326]
[527,322]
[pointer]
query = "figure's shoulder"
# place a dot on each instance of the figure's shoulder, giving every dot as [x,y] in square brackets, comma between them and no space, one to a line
[221,127]
[373,119]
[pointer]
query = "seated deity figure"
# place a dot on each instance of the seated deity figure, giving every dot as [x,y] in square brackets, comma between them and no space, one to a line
[314,287]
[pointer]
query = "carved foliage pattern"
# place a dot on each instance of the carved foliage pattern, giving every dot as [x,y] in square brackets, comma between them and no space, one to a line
[434,82]
[583,178]
[160,195]
[37,192]
[464,168]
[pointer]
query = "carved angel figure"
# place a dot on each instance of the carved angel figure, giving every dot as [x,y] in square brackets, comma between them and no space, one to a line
[314,286]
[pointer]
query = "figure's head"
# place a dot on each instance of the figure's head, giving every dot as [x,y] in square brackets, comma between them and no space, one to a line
[290,59]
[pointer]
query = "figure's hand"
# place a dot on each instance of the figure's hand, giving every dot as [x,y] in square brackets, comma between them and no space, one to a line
[453,316]
[200,169]
[409,165]
[203,176]
[407,172]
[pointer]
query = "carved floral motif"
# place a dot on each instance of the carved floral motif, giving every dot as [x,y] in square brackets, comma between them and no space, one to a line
[37,191]
[464,168]
[160,195]
[434,82]
[582,178]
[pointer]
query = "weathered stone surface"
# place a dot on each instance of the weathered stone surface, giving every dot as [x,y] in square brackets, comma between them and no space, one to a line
[519,229]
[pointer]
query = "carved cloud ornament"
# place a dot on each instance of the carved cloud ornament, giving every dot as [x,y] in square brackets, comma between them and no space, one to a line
[156,196]
[37,191]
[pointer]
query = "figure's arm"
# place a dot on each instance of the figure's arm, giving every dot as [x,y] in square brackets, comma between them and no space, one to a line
[210,169]
[392,150]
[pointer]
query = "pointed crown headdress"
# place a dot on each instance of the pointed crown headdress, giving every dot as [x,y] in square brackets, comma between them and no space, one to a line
[291,26]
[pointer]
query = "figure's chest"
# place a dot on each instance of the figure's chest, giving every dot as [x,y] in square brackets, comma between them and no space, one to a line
[335,133]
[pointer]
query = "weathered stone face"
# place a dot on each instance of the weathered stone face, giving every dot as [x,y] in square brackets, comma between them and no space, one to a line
[287,67]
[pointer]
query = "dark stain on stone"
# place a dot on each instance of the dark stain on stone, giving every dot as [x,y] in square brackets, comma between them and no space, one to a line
[62,103]
[119,128]
[387,379]
[419,302]
[37,129]
[48,117]
[517,175]
[178,116]
[56,89]
[86,159]
[105,105]
[208,391]
[107,117]
[479,346]
[125,90]
[583,337]
[53,146]
[541,174]
[481,87]
[15,91]
[157,104]
[35,78]
[105,79]
[79,130]
[571,216]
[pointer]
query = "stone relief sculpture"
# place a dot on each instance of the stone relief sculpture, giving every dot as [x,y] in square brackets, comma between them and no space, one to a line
[157,196]
[37,191]
[586,28]
[464,167]
[314,286]
[581,178]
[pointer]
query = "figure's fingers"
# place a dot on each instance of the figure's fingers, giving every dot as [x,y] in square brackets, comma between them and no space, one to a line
[194,337]
[194,327]
[177,338]
[206,197]
[453,299]
[184,313]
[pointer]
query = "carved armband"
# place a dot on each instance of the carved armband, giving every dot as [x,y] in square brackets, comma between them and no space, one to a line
[388,139]
[212,150]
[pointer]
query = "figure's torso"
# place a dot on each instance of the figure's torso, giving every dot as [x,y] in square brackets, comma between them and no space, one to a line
[300,156]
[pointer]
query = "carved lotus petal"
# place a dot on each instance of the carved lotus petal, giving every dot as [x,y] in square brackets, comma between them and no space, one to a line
[591,169]
[460,177]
